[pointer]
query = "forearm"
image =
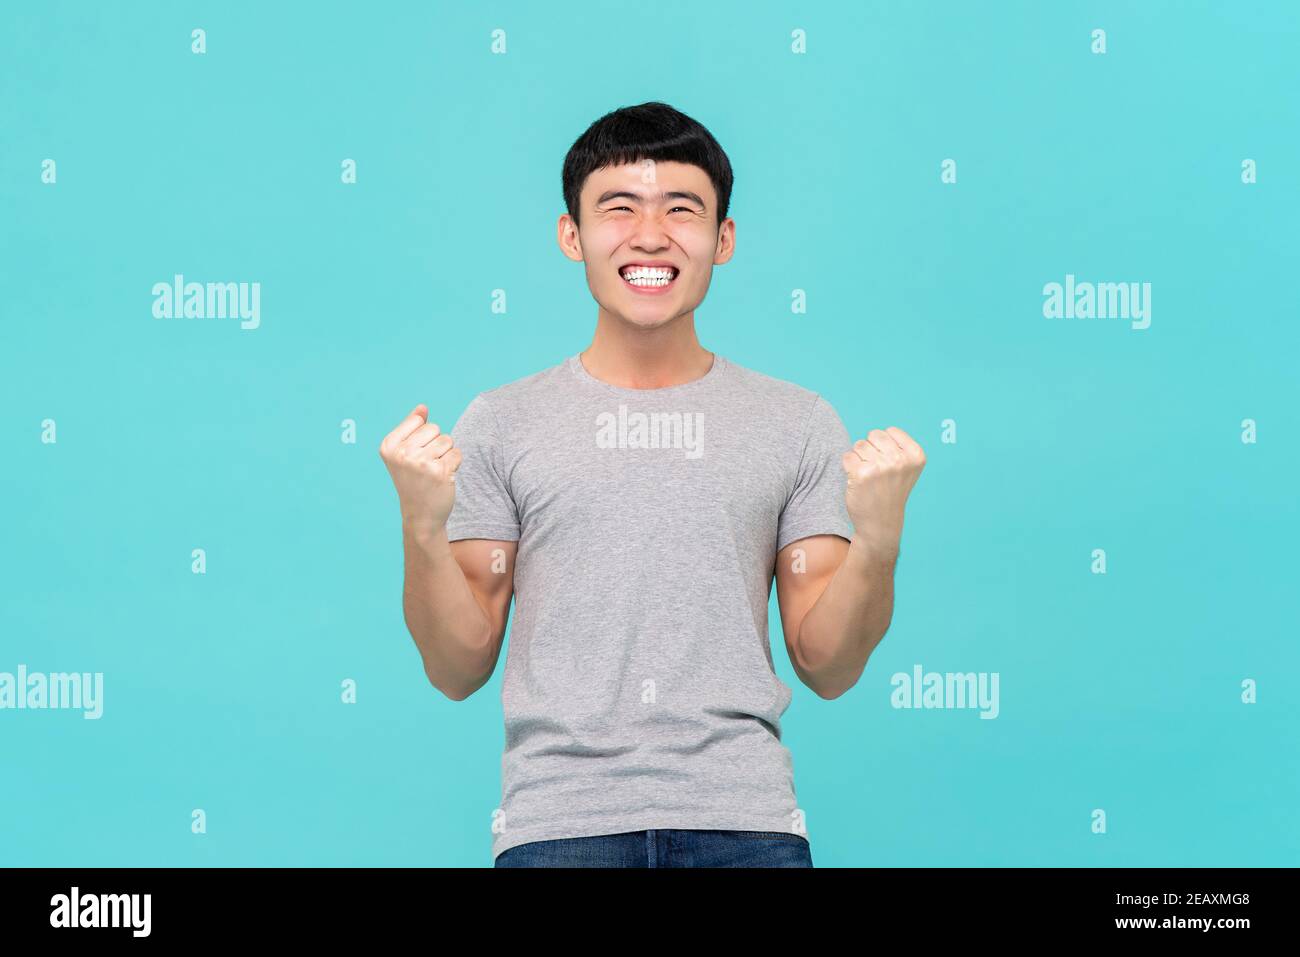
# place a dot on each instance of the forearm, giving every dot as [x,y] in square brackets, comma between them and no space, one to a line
[847,621]
[450,628]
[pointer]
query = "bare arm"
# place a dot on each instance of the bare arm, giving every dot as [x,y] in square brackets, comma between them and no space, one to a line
[456,601]
[455,596]
[836,600]
[837,597]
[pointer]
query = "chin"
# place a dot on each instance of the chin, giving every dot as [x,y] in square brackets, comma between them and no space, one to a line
[644,324]
[648,318]
[644,315]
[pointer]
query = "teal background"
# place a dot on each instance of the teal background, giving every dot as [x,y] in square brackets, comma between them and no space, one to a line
[1118,691]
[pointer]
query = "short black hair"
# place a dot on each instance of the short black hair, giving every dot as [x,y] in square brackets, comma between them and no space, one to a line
[653,131]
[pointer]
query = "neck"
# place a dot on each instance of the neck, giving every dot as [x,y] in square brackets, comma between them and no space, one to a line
[635,358]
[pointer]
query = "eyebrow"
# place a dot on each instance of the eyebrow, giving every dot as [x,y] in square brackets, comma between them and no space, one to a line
[625,194]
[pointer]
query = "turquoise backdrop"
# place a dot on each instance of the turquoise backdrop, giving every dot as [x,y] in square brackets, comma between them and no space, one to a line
[1123,691]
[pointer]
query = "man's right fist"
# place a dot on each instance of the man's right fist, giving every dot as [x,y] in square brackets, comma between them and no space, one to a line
[422,461]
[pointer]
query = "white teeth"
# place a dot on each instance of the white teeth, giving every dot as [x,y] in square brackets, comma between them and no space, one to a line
[648,276]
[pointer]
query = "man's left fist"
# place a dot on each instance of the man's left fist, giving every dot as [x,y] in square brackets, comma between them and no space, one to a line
[882,468]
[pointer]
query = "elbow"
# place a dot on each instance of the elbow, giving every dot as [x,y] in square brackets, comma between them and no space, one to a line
[831,683]
[456,692]
[460,673]
[459,683]
[828,691]
[448,689]
[827,685]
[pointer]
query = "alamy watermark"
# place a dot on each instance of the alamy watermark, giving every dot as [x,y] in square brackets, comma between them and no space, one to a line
[76,909]
[78,691]
[950,689]
[179,299]
[651,430]
[1102,300]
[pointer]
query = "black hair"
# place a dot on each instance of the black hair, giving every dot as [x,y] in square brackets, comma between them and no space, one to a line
[653,131]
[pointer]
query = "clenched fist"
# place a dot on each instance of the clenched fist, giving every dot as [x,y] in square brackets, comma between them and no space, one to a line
[882,468]
[422,460]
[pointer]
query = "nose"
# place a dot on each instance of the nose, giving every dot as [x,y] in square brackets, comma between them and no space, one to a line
[649,235]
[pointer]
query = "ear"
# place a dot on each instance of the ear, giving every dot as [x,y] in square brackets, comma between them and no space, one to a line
[726,242]
[566,234]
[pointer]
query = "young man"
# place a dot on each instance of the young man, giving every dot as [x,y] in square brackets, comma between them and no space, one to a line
[636,500]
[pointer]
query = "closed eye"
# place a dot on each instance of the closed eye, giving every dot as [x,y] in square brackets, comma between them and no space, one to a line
[685,209]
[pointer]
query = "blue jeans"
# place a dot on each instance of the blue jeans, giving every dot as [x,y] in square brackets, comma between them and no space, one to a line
[664,848]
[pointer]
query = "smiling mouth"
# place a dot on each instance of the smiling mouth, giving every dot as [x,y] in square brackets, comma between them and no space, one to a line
[649,277]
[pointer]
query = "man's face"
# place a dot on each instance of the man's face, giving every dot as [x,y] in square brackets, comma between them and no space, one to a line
[660,215]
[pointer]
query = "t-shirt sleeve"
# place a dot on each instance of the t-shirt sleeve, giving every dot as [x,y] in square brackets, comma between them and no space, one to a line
[483,507]
[816,505]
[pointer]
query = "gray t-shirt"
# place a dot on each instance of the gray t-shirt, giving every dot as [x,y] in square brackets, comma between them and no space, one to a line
[639,690]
